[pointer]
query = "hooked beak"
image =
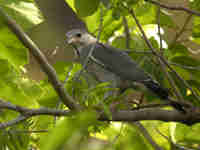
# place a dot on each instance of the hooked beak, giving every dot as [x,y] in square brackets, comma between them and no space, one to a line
[72,40]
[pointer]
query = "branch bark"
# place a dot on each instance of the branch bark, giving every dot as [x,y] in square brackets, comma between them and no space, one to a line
[124,115]
[154,114]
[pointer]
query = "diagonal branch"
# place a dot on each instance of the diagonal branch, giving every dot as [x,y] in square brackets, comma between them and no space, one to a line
[178,8]
[146,134]
[46,67]
[165,62]
[163,67]
[26,113]
[183,29]
[13,122]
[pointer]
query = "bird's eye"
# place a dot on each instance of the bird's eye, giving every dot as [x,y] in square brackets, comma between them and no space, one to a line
[78,35]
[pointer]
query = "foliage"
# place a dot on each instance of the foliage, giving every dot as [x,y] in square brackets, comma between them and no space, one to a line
[82,130]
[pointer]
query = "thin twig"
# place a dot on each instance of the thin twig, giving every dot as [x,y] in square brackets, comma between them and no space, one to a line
[46,67]
[13,122]
[127,33]
[182,30]
[163,67]
[176,8]
[169,140]
[159,29]
[28,131]
[118,135]
[146,134]
[158,55]
[26,113]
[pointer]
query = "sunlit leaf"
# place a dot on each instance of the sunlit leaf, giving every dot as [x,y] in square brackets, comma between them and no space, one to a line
[86,7]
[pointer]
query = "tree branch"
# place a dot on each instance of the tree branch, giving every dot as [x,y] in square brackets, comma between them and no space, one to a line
[163,67]
[26,113]
[154,114]
[126,115]
[46,67]
[178,8]
[182,30]
[158,55]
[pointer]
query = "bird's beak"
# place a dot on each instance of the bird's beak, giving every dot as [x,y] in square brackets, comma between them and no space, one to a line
[72,40]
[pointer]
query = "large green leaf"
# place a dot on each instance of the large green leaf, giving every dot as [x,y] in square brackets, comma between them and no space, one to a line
[23,11]
[177,50]
[12,49]
[69,133]
[166,20]
[12,86]
[86,7]
[195,4]
[132,139]
[186,134]
[185,60]
[196,27]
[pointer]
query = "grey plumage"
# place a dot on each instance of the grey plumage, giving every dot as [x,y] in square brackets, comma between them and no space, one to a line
[114,63]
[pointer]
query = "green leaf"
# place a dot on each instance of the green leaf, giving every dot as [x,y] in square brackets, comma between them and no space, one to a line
[12,49]
[196,27]
[194,83]
[126,141]
[69,133]
[25,13]
[11,86]
[63,69]
[195,4]
[177,50]
[187,134]
[166,20]
[179,83]
[185,60]
[145,12]
[86,7]
[49,97]
[136,43]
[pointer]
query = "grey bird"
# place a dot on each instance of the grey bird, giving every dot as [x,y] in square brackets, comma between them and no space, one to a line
[107,63]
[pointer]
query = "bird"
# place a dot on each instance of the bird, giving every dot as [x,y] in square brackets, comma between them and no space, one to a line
[108,63]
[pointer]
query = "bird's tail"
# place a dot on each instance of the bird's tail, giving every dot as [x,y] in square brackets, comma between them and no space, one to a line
[156,88]
[162,93]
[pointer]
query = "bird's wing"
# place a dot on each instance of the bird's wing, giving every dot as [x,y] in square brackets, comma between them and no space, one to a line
[116,61]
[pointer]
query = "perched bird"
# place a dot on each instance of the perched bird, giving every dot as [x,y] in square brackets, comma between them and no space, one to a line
[107,63]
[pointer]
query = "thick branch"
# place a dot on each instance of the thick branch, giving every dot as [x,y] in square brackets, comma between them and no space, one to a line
[129,115]
[46,67]
[154,114]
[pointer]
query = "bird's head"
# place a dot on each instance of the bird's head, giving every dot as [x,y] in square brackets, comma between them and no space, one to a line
[79,38]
